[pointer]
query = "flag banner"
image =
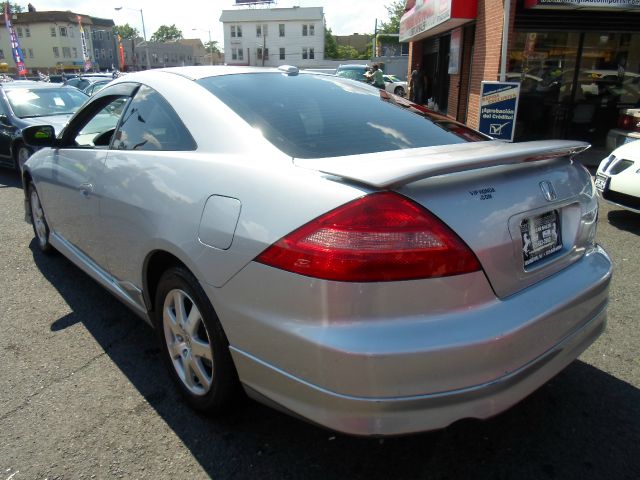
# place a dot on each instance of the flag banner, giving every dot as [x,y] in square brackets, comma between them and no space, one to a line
[121,54]
[83,40]
[16,51]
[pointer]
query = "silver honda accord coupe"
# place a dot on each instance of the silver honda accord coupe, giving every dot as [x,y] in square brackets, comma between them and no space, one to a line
[330,249]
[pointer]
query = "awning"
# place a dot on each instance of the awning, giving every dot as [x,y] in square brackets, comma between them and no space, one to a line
[631,5]
[427,18]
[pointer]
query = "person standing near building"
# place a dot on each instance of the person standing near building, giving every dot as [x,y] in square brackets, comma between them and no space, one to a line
[415,85]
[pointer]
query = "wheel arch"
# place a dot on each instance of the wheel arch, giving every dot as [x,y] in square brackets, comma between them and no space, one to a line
[156,263]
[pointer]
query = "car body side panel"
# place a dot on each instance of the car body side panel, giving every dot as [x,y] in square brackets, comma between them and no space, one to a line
[151,203]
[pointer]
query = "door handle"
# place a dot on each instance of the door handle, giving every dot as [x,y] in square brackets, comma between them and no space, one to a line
[86,189]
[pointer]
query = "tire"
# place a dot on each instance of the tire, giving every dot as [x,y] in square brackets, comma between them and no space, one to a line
[399,91]
[39,221]
[22,155]
[193,344]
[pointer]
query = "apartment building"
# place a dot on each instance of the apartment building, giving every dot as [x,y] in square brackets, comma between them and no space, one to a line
[51,41]
[274,36]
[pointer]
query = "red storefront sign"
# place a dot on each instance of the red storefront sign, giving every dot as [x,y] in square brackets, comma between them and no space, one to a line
[429,17]
[584,4]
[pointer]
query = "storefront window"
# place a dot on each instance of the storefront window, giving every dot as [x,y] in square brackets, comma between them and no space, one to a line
[574,84]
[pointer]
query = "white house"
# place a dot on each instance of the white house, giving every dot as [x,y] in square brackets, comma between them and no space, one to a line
[274,36]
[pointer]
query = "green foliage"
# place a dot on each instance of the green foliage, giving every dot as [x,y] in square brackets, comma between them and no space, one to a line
[212,46]
[347,52]
[166,34]
[395,11]
[15,8]
[126,31]
[330,45]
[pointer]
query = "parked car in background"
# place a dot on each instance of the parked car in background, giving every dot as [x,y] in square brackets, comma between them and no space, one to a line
[24,103]
[325,246]
[627,130]
[353,72]
[95,87]
[81,82]
[393,84]
[618,177]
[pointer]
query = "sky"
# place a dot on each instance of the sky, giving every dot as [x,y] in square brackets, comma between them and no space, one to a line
[343,17]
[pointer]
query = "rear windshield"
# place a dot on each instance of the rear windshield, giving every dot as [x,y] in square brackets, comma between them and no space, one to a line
[314,116]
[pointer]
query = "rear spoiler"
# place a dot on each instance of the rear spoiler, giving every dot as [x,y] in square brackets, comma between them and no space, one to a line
[399,167]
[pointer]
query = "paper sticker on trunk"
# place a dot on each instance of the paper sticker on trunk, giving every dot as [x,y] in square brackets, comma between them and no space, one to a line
[540,237]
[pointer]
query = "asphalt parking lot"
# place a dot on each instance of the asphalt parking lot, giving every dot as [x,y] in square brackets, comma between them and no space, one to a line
[83,394]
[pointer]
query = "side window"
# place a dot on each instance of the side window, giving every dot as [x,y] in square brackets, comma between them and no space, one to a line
[99,130]
[149,123]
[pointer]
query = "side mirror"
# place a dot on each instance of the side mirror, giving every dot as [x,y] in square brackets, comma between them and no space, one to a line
[40,136]
[4,119]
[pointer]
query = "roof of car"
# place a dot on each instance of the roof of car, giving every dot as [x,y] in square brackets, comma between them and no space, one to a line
[203,71]
[33,84]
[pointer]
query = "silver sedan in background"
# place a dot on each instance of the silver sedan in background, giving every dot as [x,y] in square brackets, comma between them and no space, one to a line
[327,248]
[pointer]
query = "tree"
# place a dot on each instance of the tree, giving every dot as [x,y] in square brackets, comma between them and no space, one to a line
[347,52]
[395,11]
[126,31]
[212,47]
[330,45]
[167,34]
[15,8]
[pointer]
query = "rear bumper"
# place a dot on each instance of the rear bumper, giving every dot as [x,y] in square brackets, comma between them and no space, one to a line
[402,415]
[387,359]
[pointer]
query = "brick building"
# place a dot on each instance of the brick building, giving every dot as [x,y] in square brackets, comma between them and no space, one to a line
[577,61]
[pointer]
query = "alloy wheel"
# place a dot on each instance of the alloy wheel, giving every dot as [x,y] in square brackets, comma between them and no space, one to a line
[188,342]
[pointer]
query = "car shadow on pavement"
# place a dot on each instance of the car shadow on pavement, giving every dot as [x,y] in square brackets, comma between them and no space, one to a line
[9,179]
[625,220]
[583,424]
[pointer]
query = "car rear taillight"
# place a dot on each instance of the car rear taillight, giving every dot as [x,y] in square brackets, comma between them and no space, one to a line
[629,122]
[377,238]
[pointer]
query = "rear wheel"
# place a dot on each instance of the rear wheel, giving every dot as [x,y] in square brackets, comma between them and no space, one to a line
[193,343]
[38,220]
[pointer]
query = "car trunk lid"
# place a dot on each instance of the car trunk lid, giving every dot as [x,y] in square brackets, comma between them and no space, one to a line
[526,210]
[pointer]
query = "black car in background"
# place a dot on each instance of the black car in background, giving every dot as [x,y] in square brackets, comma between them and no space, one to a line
[24,103]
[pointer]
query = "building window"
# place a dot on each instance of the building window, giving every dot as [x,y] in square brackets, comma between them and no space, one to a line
[27,32]
[100,35]
[266,54]
[312,29]
[19,31]
[234,54]
[56,52]
[75,52]
[258,30]
[240,54]
[236,31]
[259,54]
[103,54]
[281,27]
[66,52]
[71,32]
[282,55]
[305,29]
[305,53]
[30,51]
[1,54]
[308,30]
[53,31]
[63,31]
[96,52]
[312,53]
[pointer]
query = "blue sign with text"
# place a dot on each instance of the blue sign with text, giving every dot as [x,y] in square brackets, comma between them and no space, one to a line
[498,109]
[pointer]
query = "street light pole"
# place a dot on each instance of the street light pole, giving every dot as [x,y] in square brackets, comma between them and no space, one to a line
[210,44]
[144,32]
